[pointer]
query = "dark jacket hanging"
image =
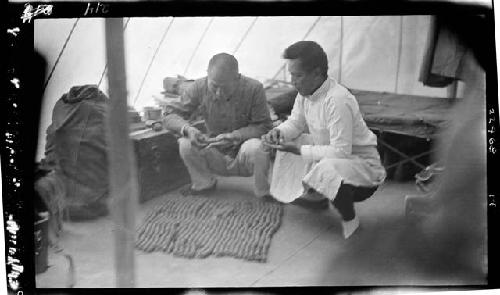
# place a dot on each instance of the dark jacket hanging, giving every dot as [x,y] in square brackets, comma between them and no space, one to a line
[444,57]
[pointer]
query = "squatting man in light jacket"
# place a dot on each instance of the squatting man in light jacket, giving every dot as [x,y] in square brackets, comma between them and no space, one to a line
[236,115]
[325,149]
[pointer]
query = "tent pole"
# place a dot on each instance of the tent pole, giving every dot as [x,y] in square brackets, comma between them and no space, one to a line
[122,171]
[106,65]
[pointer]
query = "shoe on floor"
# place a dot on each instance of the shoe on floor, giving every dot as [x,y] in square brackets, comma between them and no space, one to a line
[269,199]
[311,199]
[349,227]
[187,190]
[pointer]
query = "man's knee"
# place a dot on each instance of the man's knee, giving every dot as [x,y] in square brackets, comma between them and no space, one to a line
[334,163]
[253,155]
[252,147]
[186,148]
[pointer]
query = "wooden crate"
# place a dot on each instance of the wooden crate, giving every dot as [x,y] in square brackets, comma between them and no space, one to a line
[160,168]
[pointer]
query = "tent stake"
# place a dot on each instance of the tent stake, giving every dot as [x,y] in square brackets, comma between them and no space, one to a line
[122,171]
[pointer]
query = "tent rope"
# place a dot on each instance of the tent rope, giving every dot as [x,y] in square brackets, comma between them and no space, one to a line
[198,45]
[106,65]
[152,59]
[245,35]
[341,47]
[303,38]
[400,51]
[60,54]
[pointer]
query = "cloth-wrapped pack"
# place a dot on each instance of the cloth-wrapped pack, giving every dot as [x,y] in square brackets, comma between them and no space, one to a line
[76,149]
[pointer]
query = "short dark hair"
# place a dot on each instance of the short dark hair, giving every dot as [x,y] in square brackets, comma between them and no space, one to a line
[310,54]
[225,59]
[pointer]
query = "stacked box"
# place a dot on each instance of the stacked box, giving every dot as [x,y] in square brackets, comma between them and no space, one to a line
[160,168]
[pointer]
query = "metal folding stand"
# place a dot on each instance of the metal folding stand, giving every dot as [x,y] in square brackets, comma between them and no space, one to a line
[405,158]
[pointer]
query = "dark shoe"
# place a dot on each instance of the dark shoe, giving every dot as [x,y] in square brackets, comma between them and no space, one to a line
[269,199]
[188,191]
[314,205]
[319,203]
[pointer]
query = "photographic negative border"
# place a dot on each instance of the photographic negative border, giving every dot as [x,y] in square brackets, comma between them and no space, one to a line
[23,84]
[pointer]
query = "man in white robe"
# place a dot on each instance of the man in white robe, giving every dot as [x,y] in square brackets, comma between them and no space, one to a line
[324,148]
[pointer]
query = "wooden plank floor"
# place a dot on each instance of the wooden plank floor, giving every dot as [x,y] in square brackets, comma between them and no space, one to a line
[307,250]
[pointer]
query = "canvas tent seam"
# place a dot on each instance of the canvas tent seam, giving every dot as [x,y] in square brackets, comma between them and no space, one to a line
[303,38]
[60,54]
[400,52]
[152,59]
[198,45]
[341,45]
[245,35]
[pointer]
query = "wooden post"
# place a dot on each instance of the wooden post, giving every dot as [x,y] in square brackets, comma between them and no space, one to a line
[122,171]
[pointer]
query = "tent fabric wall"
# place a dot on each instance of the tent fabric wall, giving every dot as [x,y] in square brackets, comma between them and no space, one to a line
[143,36]
[380,53]
[414,37]
[370,51]
[81,63]
[177,48]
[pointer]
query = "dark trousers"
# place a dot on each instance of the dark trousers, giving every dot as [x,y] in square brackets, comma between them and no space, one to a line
[347,195]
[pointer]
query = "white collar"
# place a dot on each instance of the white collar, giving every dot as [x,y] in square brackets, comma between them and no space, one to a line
[321,91]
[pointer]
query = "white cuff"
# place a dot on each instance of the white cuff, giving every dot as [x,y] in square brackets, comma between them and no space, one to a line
[306,152]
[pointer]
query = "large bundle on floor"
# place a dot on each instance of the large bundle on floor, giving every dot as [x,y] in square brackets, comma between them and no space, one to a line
[76,150]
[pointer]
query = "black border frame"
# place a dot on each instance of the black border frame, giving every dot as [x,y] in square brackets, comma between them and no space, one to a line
[22,121]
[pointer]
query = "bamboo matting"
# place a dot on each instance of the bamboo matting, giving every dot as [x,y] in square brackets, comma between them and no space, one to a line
[198,227]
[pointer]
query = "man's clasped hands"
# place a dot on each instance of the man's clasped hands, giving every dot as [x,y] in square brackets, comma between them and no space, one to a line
[274,139]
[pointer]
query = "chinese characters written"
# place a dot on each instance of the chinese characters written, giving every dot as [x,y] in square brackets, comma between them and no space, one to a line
[30,12]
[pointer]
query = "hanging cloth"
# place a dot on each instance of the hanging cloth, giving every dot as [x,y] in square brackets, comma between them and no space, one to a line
[444,57]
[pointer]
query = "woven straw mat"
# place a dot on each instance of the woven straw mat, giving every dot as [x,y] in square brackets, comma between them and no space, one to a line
[198,227]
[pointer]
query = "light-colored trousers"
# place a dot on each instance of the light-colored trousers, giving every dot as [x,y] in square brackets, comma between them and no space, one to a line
[204,164]
[292,175]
